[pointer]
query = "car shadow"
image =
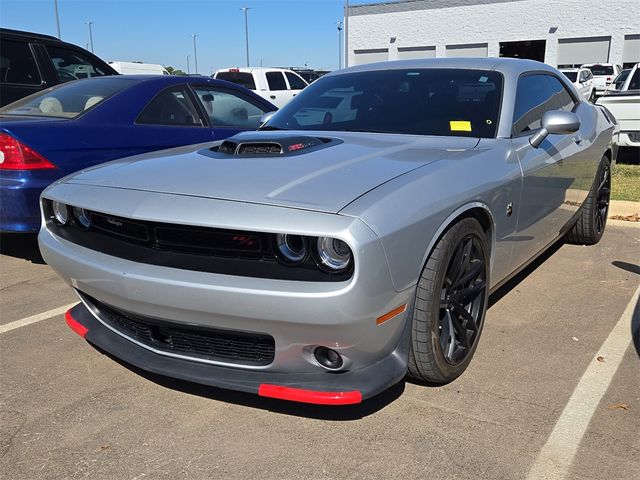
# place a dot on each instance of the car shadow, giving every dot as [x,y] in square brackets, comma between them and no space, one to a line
[319,412]
[629,267]
[21,245]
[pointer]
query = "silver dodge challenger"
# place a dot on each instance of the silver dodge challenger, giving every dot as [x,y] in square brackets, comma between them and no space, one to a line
[354,239]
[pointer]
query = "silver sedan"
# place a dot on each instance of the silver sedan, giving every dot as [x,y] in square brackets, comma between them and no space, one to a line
[351,241]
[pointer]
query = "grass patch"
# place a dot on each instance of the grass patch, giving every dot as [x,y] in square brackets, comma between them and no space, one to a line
[625,182]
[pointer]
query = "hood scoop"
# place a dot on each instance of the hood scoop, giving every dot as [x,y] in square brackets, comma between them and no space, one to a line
[281,145]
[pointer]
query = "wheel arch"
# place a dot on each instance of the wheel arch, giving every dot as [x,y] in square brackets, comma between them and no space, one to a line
[478,210]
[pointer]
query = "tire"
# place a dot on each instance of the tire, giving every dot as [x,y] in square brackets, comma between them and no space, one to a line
[592,216]
[439,353]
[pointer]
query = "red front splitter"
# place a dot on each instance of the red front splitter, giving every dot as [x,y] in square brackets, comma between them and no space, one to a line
[309,396]
[75,325]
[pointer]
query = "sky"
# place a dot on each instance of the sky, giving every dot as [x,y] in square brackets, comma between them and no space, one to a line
[281,33]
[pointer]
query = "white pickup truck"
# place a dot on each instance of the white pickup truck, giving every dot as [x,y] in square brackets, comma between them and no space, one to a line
[276,85]
[624,104]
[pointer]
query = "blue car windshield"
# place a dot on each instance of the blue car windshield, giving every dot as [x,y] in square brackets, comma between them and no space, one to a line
[450,102]
[67,100]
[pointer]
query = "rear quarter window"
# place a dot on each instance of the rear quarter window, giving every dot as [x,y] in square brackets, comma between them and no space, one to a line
[276,81]
[17,64]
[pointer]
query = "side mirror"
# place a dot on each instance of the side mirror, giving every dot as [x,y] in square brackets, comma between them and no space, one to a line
[266,117]
[555,122]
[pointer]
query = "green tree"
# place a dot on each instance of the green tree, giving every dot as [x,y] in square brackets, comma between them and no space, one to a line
[174,71]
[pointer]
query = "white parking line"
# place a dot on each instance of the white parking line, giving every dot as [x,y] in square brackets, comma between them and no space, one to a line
[554,460]
[35,318]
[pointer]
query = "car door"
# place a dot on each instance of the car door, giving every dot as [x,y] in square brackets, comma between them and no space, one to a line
[171,119]
[552,172]
[295,82]
[279,93]
[229,111]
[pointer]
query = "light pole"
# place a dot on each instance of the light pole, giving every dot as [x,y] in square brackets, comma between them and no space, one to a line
[55,4]
[339,45]
[195,53]
[346,33]
[188,64]
[90,35]
[246,30]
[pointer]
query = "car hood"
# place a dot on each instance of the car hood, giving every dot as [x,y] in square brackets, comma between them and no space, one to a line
[323,171]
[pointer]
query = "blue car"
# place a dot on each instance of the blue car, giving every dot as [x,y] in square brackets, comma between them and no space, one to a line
[57,131]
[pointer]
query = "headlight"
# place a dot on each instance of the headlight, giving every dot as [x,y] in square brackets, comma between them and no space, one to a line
[291,248]
[334,254]
[60,213]
[82,216]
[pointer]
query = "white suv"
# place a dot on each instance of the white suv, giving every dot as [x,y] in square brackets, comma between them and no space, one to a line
[603,74]
[276,85]
[582,79]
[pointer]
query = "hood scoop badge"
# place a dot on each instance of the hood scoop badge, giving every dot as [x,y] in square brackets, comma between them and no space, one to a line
[262,146]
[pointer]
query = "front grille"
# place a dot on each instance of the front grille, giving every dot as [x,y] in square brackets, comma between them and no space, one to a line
[211,344]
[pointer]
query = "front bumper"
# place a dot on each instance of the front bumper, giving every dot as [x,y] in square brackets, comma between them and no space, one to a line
[629,139]
[299,315]
[319,388]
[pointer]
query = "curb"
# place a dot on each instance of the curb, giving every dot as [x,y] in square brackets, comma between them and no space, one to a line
[623,208]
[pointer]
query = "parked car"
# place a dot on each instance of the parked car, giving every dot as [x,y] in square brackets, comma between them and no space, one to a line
[78,124]
[624,104]
[618,82]
[30,62]
[322,263]
[603,74]
[582,79]
[138,68]
[277,85]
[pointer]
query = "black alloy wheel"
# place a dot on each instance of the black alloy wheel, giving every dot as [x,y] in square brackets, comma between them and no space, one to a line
[462,300]
[450,305]
[602,197]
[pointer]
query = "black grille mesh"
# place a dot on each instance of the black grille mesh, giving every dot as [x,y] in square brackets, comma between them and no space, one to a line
[221,345]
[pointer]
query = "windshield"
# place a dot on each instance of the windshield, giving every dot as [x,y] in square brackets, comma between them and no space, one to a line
[67,100]
[571,75]
[450,102]
[619,80]
[601,70]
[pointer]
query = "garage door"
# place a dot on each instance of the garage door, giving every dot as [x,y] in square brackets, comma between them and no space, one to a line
[406,53]
[576,51]
[631,52]
[469,50]
[370,55]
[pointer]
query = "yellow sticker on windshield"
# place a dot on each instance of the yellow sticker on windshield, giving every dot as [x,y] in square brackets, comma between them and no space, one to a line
[460,126]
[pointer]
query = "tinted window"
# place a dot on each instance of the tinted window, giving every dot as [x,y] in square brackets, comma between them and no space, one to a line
[17,64]
[276,81]
[619,80]
[601,70]
[571,75]
[295,82]
[452,102]
[243,79]
[68,100]
[171,107]
[227,109]
[72,65]
[634,83]
[537,94]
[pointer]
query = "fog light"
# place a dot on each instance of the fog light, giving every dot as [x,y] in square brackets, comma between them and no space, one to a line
[82,216]
[328,358]
[60,213]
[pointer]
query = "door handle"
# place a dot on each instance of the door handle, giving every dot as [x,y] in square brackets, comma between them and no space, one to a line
[273,97]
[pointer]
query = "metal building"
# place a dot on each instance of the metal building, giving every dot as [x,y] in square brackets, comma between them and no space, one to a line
[558,32]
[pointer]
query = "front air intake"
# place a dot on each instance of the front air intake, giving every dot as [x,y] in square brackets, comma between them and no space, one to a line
[259,149]
[281,145]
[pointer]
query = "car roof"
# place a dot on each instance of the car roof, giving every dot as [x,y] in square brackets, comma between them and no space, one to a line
[586,65]
[570,69]
[254,69]
[504,65]
[25,34]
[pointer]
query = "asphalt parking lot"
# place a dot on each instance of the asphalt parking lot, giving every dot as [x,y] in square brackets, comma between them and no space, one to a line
[553,392]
